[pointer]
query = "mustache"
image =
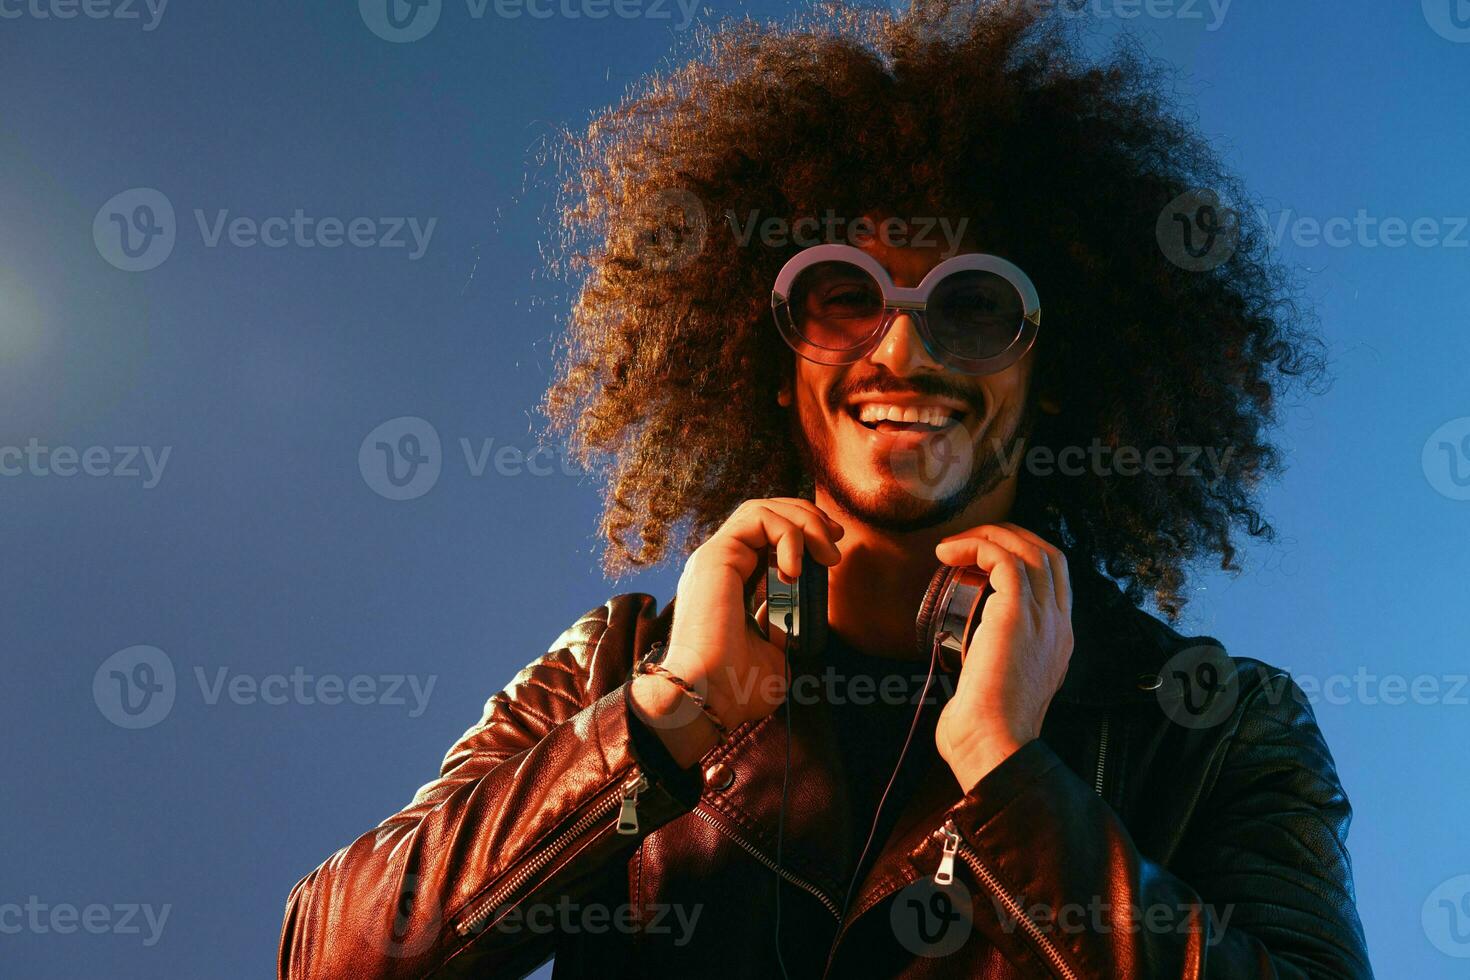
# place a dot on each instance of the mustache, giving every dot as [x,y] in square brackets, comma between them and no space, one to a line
[888,384]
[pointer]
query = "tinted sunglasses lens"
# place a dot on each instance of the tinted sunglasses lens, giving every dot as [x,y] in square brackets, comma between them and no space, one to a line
[836,305]
[975,314]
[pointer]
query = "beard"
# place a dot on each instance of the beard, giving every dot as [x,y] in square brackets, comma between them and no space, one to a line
[906,498]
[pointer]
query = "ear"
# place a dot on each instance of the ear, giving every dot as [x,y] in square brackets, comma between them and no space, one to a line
[1049,404]
[783,394]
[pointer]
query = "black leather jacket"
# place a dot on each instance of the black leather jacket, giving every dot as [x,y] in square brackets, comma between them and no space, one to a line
[1140,836]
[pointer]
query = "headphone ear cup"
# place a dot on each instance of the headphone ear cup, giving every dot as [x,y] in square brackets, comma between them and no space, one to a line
[929,611]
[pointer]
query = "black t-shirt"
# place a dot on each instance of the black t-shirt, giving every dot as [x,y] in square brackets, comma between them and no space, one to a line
[871,703]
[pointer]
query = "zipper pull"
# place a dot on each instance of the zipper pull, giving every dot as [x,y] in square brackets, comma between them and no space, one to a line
[945,874]
[628,812]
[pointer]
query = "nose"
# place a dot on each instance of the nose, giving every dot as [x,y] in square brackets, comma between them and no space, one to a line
[901,349]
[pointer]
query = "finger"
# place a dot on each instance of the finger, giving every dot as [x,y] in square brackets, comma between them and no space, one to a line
[1006,570]
[1038,569]
[1028,534]
[761,528]
[1060,572]
[790,544]
[816,529]
[1061,579]
[1040,553]
[837,530]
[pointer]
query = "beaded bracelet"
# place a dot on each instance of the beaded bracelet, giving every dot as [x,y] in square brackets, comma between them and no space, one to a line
[649,666]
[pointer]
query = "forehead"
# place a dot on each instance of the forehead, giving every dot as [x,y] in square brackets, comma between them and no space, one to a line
[908,263]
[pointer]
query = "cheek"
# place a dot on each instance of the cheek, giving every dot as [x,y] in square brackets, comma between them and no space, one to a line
[812,384]
[999,397]
[1005,392]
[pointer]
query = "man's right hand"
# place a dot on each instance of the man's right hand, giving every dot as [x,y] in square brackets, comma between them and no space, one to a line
[713,644]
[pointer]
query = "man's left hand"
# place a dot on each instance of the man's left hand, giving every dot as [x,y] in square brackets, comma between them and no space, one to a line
[1017,659]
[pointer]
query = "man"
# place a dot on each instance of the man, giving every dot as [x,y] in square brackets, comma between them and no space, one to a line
[665,793]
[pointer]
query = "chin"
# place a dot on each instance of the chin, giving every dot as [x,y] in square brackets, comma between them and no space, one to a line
[900,479]
[882,501]
[906,484]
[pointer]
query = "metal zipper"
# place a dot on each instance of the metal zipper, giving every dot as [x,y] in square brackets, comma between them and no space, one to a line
[628,809]
[624,800]
[944,875]
[1102,755]
[955,845]
[749,848]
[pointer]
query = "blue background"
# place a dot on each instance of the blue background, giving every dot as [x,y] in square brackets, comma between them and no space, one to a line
[264,548]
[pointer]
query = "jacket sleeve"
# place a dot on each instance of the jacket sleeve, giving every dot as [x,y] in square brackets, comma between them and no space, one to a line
[524,813]
[1261,887]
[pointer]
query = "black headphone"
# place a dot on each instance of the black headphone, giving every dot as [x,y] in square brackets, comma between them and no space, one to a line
[949,613]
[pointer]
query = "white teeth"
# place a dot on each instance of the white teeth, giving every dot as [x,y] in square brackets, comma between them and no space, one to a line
[934,415]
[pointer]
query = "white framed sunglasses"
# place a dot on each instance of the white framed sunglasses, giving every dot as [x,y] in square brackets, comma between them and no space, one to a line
[976,314]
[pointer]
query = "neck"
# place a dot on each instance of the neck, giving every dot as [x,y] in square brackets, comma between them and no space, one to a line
[873,594]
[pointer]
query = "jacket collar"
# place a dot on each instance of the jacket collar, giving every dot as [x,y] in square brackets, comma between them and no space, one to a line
[1118,649]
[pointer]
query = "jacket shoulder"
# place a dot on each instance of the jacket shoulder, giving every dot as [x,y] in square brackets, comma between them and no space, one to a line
[603,643]
[1260,695]
[588,659]
[1128,652]
[1171,648]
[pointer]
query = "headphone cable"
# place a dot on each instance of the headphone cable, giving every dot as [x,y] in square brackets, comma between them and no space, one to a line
[892,778]
[785,779]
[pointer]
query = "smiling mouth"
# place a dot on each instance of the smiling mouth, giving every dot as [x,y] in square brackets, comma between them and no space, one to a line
[893,419]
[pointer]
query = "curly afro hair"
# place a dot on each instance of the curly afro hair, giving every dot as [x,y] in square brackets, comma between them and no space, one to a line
[986,109]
